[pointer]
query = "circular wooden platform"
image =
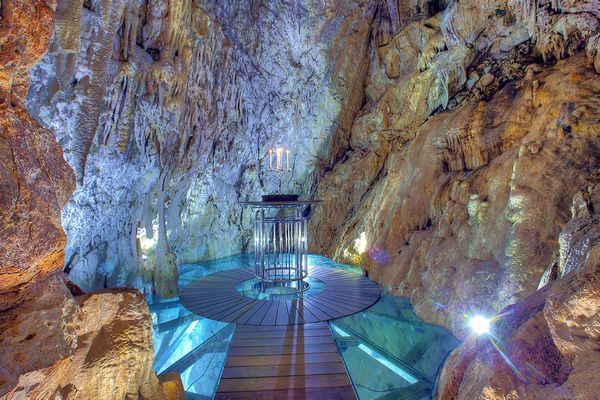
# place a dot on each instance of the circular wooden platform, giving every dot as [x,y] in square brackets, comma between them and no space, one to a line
[216,297]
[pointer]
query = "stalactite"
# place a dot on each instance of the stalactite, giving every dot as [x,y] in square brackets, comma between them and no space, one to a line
[111,14]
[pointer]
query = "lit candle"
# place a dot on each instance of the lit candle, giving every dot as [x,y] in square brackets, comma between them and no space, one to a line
[279,159]
[270,159]
[287,159]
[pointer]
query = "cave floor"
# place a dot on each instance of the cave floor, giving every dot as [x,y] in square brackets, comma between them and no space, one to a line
[382,352]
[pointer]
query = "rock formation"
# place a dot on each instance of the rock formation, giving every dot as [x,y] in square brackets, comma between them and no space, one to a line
[89,346]
[54,345]
[36,181]
[167,110]
[480,125]
[545,346]
[455,144]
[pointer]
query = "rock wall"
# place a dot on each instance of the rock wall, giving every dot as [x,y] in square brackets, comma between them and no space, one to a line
[35,180]
[166,112]
[551,338]
[54,345]
[479,129]
[462,164]
[89,346]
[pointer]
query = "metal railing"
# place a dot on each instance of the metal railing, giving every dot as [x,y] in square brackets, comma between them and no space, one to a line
[281,243]
[280,246]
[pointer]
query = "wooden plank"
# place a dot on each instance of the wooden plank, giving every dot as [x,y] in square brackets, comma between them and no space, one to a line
[359,301]
[254,328]
[208,309]
[339,393]
[281,333]
[241,311]
[282,359]
[279,383]
[206,301]
[306,306]
[306,315]
[223,315]
[271,314]
[346,293]
[284,370]
[283,316]
[257,318]
[282,341]
[276,350]
[338,307]
[242,319]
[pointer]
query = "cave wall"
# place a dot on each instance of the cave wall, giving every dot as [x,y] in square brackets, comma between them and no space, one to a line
[463,163]
[467,186]
[55,341]
[454,144]
[36,181]
[166,111]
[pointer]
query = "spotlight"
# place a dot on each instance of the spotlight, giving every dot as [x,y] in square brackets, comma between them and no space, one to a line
[479,325]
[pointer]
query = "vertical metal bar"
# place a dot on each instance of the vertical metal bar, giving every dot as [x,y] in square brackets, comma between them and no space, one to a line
[274,250]
[256,247]
[287,244]
[262,243]
[304,245]
[298,238]
[269,250]
[281,249]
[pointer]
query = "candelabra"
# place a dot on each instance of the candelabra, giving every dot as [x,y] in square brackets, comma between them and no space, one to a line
[279,164]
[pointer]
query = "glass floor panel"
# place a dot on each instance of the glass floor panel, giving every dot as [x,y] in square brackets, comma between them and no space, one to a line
[389,352]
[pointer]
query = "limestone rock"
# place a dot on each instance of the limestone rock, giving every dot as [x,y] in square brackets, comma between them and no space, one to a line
[183,100]
[39,333]
[545,346]
[91,346]
[172,387]
[24,34]
[487,79]
[53,345]
[461,216]
[35,181]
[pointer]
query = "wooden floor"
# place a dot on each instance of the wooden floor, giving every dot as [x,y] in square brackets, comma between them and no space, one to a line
[282,349]
[284,362]
[216,297]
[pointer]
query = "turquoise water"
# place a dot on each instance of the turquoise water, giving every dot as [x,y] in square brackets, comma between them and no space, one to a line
[388,351]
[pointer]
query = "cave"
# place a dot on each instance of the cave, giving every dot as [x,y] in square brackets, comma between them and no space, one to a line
[298,199]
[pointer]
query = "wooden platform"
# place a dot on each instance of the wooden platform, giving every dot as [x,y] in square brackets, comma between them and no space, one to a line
[216,297]
[282,349]
[284,362]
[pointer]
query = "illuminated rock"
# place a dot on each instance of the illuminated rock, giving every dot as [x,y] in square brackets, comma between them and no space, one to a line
[465,210]
[35,180]
[182,111]
[545,346]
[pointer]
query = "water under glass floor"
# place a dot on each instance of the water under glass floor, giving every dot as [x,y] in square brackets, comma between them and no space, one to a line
[382,352]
